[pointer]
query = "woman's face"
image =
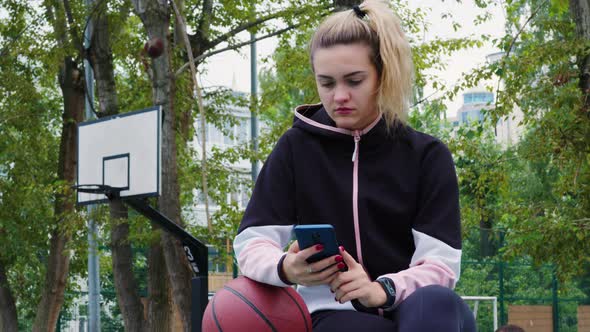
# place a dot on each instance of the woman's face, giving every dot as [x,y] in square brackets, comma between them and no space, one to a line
[347,83]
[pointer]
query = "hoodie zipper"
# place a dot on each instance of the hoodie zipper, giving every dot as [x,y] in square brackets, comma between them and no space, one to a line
[355,196]
[356,134]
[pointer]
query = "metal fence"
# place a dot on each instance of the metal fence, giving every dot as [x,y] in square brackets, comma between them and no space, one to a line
[521,288]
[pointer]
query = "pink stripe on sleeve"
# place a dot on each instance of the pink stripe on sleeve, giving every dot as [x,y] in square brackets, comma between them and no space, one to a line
[423,273]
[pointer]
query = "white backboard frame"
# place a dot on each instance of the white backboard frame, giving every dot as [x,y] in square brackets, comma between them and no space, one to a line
[121,151]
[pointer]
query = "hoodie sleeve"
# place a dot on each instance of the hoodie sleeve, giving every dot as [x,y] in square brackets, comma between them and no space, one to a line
[436,229]
[269,218]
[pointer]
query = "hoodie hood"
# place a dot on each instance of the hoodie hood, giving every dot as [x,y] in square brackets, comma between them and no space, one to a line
[315,120]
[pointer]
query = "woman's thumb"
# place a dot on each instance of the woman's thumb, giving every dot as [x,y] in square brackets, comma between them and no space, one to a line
[294,248]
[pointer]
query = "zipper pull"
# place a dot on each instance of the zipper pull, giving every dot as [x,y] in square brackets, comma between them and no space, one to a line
[357,139]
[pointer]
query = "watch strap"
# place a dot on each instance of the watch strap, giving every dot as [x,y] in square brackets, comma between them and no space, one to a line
[389,288]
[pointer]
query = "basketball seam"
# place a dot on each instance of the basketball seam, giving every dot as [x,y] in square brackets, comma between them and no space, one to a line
[236,293]
[298,307]
[215,315]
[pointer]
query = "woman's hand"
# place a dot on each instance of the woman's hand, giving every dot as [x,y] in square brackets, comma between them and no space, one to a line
[299,271]
[356,284]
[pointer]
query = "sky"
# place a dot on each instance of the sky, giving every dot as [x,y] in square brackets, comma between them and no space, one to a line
[232,69]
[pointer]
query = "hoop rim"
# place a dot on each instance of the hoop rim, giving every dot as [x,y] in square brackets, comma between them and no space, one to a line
[98,189]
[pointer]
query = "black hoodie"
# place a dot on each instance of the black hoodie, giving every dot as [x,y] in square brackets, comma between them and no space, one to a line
[392,197]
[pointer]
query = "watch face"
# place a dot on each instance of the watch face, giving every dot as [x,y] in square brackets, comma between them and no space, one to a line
[389,286]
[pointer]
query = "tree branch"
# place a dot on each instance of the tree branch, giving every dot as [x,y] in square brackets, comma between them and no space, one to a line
[4,50]
[232,47]
[242,27]
[205,22]
[197,91]
[75,36]
[248,25]
[512,45]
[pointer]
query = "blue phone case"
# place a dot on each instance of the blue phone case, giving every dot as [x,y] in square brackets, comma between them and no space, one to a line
[309,235]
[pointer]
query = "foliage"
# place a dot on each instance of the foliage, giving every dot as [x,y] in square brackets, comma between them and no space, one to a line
[538,190]
[540,75]
[28,155]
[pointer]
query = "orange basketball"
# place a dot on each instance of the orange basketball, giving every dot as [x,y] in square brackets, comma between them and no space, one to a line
[246,305]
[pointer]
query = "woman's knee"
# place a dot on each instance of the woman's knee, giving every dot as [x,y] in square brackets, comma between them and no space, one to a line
[436,295]
[437,308]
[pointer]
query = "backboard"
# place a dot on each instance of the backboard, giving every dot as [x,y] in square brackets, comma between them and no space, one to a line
[121,151]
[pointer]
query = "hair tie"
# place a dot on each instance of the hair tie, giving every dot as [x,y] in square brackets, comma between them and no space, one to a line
[357,10]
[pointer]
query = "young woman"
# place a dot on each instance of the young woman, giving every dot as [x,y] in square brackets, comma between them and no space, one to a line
[389,191]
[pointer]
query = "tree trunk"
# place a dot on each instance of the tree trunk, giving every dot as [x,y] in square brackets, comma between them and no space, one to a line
[102,63]
[125,282]
[8,315]
[580,11]
[52,297]
[179,271]
[156,19]
[486,246]
[159,308]
[122,256]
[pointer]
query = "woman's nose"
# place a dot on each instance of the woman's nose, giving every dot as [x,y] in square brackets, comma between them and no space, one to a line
[341,94]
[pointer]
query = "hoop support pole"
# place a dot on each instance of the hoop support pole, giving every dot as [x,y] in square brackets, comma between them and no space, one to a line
[196,254]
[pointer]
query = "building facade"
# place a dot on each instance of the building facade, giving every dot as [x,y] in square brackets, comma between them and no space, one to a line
[475,104]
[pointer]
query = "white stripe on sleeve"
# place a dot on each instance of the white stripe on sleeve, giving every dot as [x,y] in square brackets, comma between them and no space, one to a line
[258,250]
[433,249]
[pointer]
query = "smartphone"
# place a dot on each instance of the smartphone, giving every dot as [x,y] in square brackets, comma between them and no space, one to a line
[310,235]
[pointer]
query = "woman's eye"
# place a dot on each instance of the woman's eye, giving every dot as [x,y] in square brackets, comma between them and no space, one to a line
[354,82]
[327,84]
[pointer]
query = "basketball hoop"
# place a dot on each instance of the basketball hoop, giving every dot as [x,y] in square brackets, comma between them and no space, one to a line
[119,158]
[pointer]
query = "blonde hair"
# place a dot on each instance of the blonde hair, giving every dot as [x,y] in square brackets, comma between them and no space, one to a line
[380,29]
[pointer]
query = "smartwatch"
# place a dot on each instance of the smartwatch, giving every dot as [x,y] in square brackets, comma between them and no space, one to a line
[389,288]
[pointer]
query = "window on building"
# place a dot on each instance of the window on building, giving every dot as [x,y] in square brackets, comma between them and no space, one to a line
[229,134]
[243,134]
[478,97]
[472,115]
[244,196]
[467,98]
[216,263]
[215,136]
[201,199]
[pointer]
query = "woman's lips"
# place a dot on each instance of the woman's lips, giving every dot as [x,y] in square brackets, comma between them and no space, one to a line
[343,110]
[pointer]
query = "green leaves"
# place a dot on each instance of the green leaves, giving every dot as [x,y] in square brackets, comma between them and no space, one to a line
[559,7]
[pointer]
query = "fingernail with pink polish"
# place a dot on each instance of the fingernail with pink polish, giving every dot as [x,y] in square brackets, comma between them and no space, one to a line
[319,247]
[341,248]
[339,259]
[340,266]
